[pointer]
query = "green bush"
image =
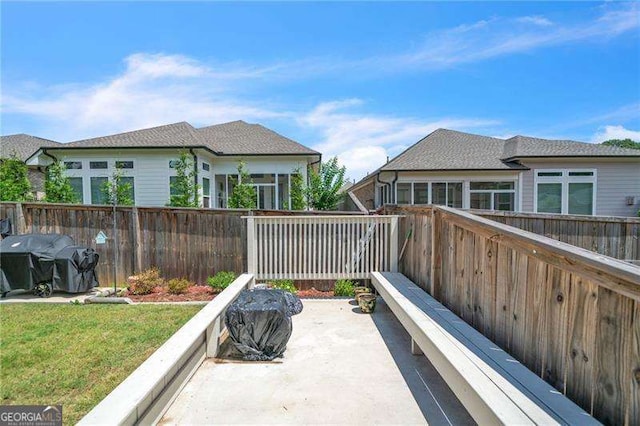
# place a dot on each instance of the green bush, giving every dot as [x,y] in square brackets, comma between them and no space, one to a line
[344,288]
[286,285]
[145,282]
[221,280]
[178,285]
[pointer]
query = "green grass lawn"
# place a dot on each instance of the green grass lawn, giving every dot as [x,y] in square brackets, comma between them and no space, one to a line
[75,355]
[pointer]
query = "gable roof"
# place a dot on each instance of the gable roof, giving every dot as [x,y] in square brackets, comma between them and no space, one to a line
[451,150]
[238,137]
[528,147]
[23,145]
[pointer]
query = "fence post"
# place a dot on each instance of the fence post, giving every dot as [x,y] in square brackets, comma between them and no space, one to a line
[393,250]
[252,249]
[436,251]
[21,226]
[137,244]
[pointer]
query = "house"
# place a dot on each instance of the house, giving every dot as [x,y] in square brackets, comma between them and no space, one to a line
[22,146]
[521,173]
[147,157]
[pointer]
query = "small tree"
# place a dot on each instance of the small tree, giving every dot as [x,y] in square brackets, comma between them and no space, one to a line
[184,189]
[57,186]
[298,198]
[244,193]
[14,180]
[117,191]
[323,192]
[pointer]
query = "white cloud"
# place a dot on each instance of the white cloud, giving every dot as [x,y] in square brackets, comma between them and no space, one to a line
[153,89]
[615,132]
[362,141]
[535,20]
[500,36]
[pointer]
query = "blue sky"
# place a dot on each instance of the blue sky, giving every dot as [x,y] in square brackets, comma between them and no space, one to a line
[359,80]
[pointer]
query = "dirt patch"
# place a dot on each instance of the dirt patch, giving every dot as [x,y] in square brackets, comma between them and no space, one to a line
[196,293]
[312,293]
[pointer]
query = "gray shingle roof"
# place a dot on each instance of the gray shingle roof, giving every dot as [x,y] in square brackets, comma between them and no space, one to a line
[180,134]
[450,150]
[526,146]
[22,145]
[238,137]
[234,138]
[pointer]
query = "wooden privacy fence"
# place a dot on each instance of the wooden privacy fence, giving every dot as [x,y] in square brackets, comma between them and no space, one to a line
[617,237]
[191,243]
[321,247]
[570,315]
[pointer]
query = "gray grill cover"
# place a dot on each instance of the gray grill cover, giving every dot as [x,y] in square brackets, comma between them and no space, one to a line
[31,259]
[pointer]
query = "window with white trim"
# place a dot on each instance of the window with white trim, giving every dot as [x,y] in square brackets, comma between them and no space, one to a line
[447,194]
[566,191]
[492,195]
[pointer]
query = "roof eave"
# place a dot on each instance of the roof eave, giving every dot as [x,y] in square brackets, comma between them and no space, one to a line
[570,156]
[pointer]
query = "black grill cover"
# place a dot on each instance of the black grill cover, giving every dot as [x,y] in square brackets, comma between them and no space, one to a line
[31,259]
[5,227]
[259,323]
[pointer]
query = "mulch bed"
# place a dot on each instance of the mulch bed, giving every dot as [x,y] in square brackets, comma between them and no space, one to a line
[196,293]
[204,293]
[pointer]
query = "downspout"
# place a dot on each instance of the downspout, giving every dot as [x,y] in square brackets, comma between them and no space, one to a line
[195,169]
[44,151]
[389,184]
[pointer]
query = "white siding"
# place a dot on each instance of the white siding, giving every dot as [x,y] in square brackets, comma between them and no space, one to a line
[616,180]
[151,169]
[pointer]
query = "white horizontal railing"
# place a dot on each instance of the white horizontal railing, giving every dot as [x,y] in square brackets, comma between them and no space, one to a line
[145,394]
[321,247]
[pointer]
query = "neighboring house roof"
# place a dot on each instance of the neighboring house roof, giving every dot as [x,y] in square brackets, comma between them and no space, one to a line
[450,150]
[238,138]
[22,145]
[528,147]
[234,138]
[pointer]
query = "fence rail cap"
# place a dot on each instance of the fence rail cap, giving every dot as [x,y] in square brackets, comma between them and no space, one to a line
[308,217]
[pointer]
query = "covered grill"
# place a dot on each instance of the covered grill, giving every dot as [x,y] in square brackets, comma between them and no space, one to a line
[45,263]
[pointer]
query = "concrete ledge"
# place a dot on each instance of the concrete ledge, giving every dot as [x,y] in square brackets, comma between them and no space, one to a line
[488,400]
[145,394]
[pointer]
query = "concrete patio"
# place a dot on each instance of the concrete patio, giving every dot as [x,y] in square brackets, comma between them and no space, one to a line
[341,367]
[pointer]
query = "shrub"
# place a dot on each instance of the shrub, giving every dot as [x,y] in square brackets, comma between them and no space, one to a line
[344,288]
[286,285]
[178,285]
[221,280]
[145,282]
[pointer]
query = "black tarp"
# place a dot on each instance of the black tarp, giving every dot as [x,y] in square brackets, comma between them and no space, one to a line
[32,259]
[259,322]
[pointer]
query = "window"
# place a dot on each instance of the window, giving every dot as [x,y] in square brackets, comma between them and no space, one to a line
[76,185]
[492,195]
[132,189]
[447,194]
[97,190]
[73,165]
[549,198]
[420,193]
[565,191]
[205,167]
[124,164]
[581,198]
[220,183]
[283,192]
[206,193]
[403,193]
[98,164]
[173,181]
